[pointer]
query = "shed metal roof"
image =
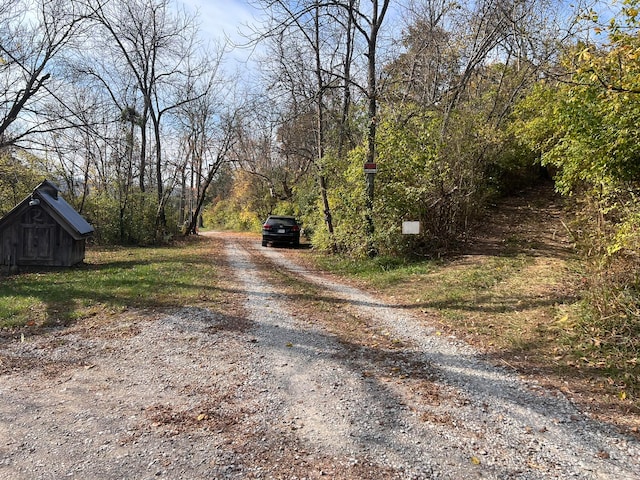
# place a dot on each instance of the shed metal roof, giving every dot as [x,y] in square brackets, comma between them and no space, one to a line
[62,208]
[58,208]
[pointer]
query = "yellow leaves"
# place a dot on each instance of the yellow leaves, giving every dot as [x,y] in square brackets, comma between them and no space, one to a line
[634,54]
[585,55]
[475,460]
[622,395]
[289,345]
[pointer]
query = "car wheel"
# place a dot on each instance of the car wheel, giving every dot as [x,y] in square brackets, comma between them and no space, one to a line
[264,243]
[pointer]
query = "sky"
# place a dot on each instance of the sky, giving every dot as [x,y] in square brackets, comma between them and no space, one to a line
[220,19]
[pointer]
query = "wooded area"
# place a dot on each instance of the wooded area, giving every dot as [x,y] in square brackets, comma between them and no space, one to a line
[134,115]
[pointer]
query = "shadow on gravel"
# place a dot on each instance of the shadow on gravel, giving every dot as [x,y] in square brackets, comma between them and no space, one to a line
[488,408]
[342,393]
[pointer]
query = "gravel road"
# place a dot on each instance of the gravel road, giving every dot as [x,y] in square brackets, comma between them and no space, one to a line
[268,392]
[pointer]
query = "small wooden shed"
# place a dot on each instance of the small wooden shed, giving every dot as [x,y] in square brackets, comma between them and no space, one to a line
[43,230]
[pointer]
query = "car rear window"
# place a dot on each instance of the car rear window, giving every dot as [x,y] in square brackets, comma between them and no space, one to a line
[281,221]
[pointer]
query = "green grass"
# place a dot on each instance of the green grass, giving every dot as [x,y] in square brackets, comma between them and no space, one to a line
[381,272]
[111,279]
[439,283]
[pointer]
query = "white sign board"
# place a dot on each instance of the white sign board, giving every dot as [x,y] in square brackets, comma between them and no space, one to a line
[411,228]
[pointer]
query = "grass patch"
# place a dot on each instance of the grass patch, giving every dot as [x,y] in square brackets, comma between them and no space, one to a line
[112,279]
[490,297]
[380,272]
[608,345]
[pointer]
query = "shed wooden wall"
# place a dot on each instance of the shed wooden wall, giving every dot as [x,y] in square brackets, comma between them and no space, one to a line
[32,237]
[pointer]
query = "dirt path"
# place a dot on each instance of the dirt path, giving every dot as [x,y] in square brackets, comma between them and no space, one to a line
[273,390]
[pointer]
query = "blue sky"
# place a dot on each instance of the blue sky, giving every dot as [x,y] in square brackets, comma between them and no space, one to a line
[220,18]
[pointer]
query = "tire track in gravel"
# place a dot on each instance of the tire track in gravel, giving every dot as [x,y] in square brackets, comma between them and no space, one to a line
[331,408]
[503,427]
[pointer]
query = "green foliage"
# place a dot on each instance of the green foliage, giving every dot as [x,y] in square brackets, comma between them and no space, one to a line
[429,173]
[133,225]
[246,206]
[626,239]
[588,127]
[17,180]
[346,195]
[588,134]
[227,215]
[306,207]
[287,207]
[587,130]
[248,203]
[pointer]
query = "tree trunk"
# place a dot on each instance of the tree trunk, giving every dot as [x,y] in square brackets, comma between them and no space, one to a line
[321,127]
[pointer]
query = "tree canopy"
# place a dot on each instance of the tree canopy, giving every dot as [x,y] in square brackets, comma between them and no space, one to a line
[123,105]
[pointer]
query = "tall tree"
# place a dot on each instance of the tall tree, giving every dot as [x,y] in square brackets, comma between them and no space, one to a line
[314,45]
[368,21]
[33,37]
[210,131]
[158,47]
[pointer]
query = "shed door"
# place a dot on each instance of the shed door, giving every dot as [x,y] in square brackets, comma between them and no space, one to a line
[38,242]
[38,236]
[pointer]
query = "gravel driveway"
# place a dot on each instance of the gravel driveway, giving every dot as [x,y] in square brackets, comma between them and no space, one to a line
[268,391]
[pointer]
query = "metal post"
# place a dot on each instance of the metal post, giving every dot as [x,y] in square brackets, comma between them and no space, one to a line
[370,170]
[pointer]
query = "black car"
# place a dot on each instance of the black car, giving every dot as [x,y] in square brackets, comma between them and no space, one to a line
[281,229]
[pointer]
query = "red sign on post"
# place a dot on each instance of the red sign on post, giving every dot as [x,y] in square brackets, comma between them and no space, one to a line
[370,168]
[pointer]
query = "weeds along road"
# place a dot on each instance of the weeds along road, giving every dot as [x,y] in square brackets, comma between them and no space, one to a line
[303,377]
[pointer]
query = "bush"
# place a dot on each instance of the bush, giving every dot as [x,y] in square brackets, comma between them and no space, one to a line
[608,325]
[134,225]
[227,215]
[17,181]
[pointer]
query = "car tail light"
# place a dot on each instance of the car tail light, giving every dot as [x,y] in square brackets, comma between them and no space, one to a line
[295,228]
[266,227]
